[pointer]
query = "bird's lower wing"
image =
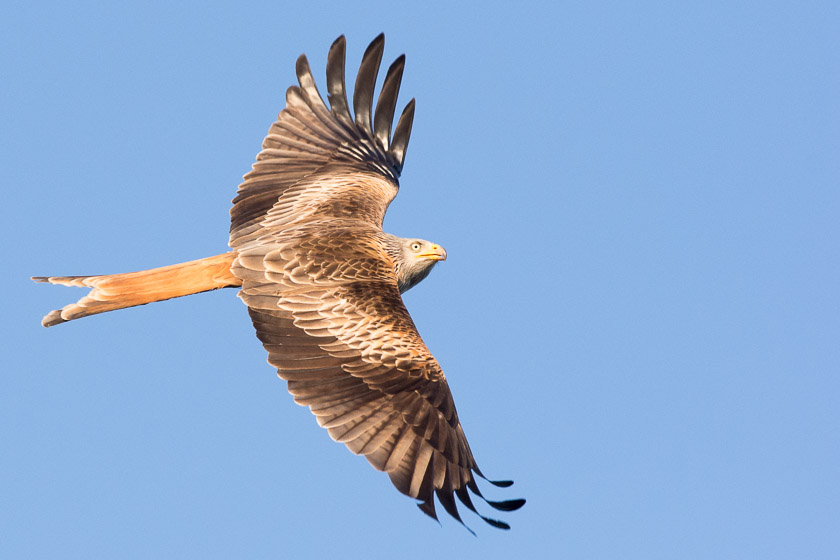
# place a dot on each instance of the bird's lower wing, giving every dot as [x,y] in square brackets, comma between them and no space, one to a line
[349,350]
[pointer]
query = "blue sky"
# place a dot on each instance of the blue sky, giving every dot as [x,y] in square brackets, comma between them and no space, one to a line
[639,317]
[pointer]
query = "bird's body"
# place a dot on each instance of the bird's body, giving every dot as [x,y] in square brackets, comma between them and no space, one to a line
[322,283]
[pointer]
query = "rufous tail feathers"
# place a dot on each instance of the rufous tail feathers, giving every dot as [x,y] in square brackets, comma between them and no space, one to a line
[117,291]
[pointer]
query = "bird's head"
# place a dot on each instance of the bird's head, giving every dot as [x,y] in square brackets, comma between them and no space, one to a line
[423,251]
[414,260]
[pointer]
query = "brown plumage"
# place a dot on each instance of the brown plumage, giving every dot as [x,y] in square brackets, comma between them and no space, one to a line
[322,283]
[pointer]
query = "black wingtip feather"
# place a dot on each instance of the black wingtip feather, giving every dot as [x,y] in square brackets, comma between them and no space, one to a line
[507,505]
[384,116]
[336,92]
[366,82]
[464,496]
[447,499]
[402,133]
[496,523]
[499,483]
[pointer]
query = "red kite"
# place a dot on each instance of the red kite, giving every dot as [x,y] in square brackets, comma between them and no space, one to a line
[322,283]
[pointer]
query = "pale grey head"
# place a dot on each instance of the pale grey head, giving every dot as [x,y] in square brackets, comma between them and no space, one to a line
[413,259]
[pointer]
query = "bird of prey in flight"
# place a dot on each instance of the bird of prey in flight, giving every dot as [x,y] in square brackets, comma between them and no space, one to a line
[322,283]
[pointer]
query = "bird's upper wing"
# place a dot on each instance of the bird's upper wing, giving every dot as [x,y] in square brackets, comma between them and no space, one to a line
[322,292]
[358,160]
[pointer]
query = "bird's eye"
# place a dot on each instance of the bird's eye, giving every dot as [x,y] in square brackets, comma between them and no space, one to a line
[415,246]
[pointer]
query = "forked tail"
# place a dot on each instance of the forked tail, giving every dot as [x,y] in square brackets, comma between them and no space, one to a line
[117,291]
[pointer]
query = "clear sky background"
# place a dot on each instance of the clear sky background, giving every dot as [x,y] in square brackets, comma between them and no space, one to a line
[639,317]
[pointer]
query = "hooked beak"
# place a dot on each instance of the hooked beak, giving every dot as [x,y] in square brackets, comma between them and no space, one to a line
[436,253]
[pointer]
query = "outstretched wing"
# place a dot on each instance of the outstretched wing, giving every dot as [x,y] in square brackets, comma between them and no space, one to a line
[328,310]
[322,292]
[308,140]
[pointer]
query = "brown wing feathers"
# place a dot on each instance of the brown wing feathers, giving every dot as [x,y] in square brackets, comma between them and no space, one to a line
[403,421]
[321,289]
